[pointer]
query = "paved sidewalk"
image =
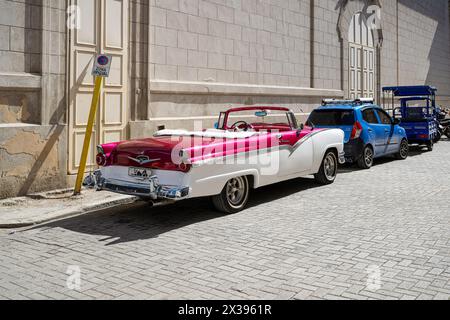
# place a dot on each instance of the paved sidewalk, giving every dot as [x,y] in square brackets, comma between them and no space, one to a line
[45,207]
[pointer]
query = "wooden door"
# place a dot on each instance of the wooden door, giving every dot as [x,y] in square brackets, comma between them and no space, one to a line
[103,28]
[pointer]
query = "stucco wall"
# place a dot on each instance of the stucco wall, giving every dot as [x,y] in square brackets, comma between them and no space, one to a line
[32,159]
[19,107]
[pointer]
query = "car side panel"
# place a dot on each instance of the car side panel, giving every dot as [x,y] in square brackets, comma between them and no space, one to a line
[299,155]
[369,133]
[398,135]
[323,141]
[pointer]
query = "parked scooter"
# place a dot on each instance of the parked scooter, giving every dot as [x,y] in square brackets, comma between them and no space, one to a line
[444,123]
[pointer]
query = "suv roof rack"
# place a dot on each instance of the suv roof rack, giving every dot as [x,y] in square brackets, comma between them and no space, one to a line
[359,101]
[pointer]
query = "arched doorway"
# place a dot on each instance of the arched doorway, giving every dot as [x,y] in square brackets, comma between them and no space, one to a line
[361,59]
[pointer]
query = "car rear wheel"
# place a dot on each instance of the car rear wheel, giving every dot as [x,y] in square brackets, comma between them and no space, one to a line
[366,160]
[403,153]
[234,196]
[328,169]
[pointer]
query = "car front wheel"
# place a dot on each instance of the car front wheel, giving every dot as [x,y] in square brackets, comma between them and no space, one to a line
[366,160]
[234,196]
[328,169]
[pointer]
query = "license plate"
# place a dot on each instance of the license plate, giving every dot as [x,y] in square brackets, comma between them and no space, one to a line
[140,173]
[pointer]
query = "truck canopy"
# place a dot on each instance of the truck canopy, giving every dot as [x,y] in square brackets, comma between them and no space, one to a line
[407,91]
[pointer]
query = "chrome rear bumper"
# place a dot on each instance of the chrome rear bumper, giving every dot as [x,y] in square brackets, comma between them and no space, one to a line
[149,188]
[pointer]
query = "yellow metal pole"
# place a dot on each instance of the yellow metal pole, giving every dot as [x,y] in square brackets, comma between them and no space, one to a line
[87,138]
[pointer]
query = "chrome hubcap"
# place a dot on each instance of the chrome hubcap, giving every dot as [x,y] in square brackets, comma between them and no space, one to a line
[236,191]
[368,156]
[330,167]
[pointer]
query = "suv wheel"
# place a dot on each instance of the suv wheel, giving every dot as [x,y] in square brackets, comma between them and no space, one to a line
[366,160]
[403,153]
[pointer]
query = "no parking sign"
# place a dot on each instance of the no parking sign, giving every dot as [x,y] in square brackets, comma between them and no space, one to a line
[102,66]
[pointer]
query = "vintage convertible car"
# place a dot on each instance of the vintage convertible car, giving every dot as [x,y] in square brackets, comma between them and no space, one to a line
[249,147]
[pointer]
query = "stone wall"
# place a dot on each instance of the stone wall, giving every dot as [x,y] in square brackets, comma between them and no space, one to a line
[420,52]
[249,42]
[20,36]
[262,47]
[424,45]
[139,53]
[190,59]
[33,136]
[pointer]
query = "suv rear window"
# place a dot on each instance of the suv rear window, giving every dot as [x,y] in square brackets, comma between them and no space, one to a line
[332,118]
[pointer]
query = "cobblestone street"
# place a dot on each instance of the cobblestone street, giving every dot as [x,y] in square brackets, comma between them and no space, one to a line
[297,240]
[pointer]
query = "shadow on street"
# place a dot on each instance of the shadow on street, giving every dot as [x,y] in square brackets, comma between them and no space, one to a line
[141,221]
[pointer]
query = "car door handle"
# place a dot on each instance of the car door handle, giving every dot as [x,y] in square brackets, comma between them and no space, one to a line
[370,130]
[280,138]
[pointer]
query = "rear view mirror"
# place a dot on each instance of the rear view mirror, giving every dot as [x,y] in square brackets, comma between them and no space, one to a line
[261,114]
[216,125]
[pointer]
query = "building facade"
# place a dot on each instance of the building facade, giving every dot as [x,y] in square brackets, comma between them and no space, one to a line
[178,63]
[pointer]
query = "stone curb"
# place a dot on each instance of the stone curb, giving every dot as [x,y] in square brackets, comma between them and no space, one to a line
[96,206]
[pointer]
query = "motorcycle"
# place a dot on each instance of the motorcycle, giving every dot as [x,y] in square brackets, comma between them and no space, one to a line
[444,123]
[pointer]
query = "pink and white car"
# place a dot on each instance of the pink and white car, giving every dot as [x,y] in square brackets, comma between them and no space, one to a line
[250,147]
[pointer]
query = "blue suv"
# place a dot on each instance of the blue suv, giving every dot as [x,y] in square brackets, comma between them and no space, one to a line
[369,130]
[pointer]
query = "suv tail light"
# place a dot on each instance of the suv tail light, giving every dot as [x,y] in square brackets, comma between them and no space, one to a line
[357,130]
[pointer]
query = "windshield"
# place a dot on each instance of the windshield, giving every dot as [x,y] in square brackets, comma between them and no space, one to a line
[332,118]
[418,103]
[259,119]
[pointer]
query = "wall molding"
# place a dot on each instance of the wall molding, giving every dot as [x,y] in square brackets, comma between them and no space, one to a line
[207,88]
[20,80]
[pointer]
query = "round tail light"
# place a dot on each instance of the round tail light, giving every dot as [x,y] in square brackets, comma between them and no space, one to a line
[184,167]
[100,159]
